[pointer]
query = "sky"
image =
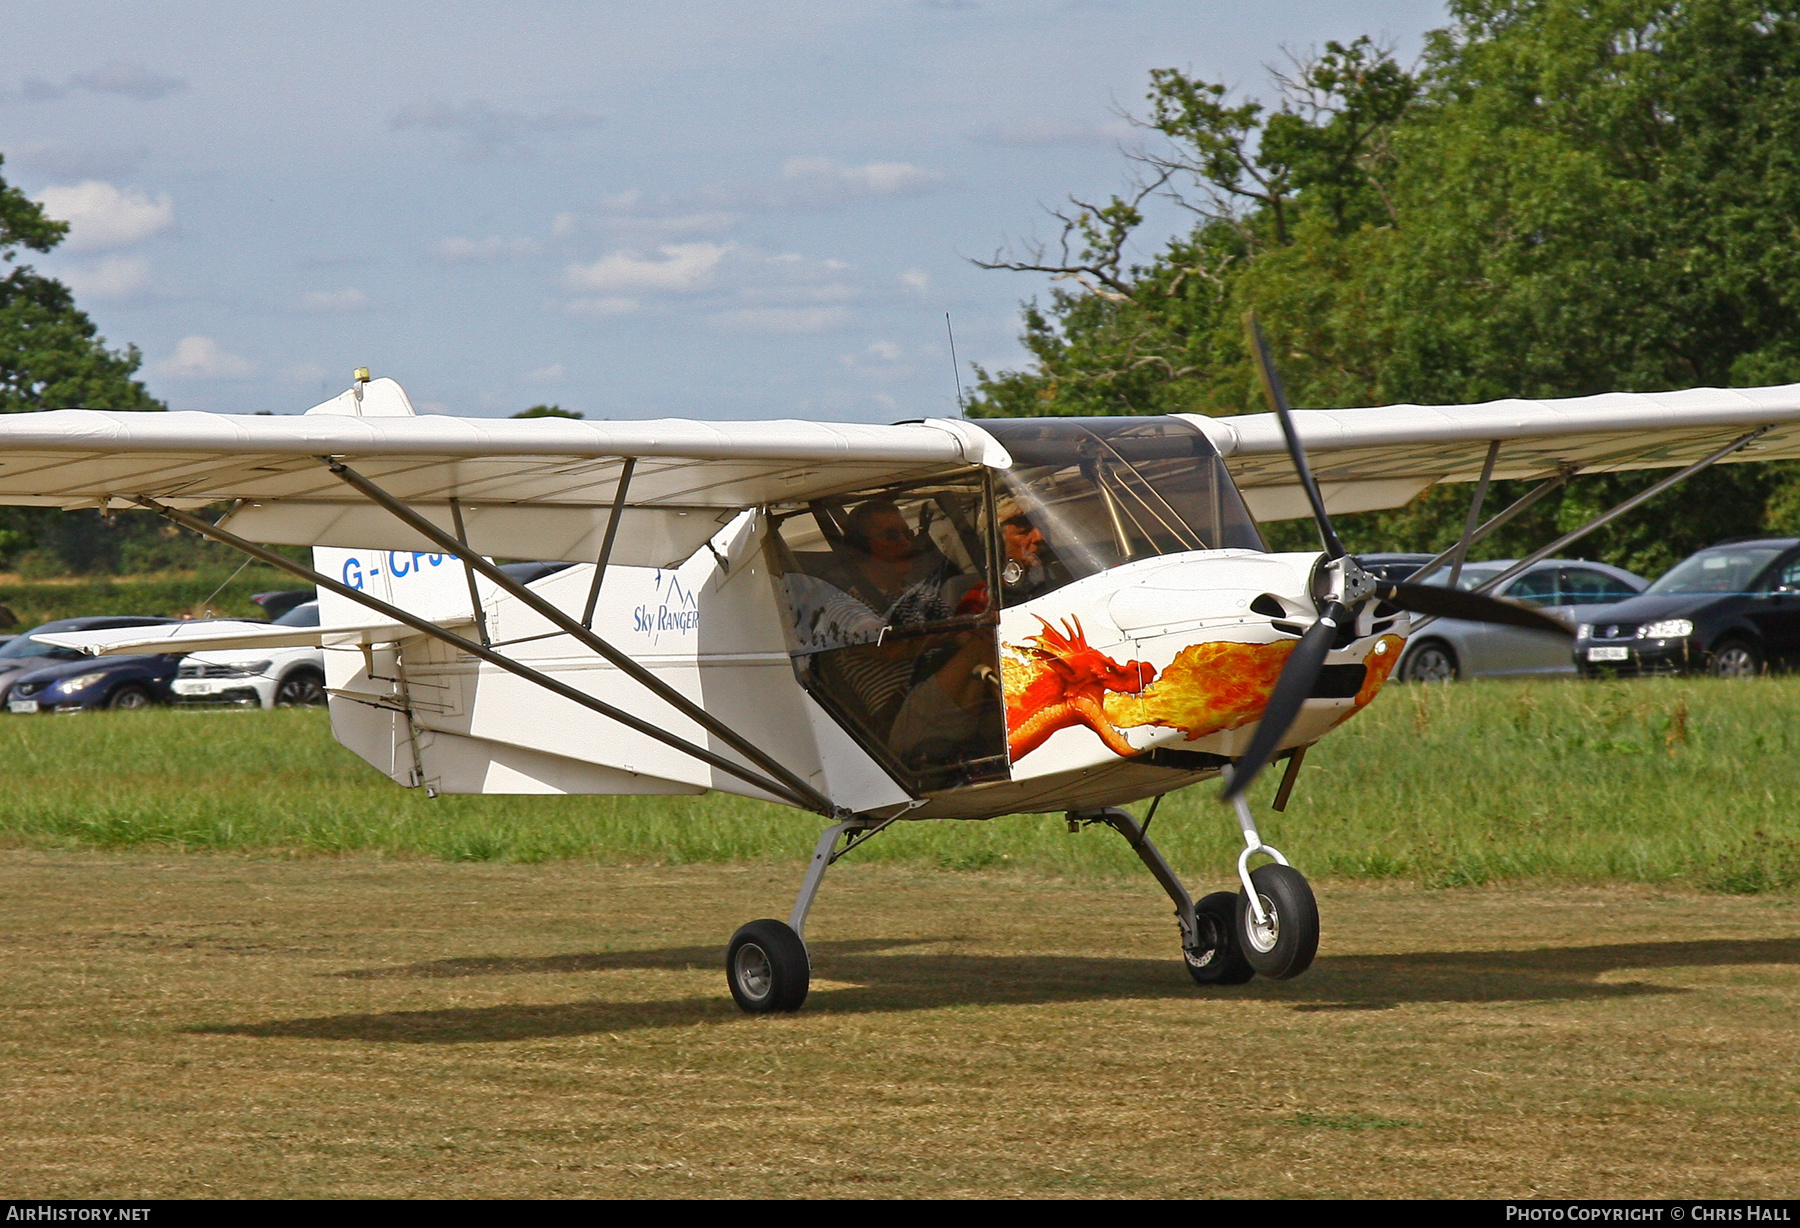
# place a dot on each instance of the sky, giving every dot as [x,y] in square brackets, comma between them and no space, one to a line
[708,210]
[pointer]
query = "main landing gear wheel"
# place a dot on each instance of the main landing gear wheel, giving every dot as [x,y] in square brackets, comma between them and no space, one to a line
[1218,959]
[767,968]
[1284,945]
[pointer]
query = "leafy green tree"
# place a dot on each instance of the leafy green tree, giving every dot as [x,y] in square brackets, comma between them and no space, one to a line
[1567,197]
[52,357]
[546,411]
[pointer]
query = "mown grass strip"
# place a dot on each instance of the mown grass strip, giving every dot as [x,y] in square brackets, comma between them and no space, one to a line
[1686,781]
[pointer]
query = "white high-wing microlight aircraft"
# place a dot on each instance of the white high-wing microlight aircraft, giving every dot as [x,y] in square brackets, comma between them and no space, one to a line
[932,620]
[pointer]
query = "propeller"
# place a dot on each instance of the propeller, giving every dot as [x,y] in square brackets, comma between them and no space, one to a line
[1343,587]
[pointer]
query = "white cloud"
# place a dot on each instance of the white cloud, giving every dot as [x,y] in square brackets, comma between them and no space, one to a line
[349,301]
[869,179]
[116,77]
[814,183]
[111,279]
[485,251]
[130,80]
[58,161]
[303,373]
[887,351]
[608,305]
[683,267]
[1035,132]
[484,131]
[781,319]
[102,217]
[551,374]
[200,358]
[916,280]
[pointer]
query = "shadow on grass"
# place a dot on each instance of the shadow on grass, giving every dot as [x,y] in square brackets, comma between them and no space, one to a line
[885,979]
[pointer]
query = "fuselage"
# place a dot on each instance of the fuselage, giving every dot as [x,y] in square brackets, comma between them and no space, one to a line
[1122,679]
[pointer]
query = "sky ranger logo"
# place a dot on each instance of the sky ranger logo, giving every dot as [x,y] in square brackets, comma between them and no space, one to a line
[677,613]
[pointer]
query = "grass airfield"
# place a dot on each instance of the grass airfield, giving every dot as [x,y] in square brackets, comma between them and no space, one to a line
[1561,958]
[223,1026]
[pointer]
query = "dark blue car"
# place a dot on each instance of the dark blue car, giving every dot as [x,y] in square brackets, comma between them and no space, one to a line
[61,680]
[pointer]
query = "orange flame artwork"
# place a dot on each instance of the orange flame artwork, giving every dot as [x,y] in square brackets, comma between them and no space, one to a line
[1058,680]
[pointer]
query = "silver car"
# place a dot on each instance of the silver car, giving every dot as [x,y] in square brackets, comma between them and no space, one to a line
[1570,589]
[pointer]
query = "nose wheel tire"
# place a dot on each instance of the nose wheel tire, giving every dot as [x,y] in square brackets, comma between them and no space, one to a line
[767,968]
[1217,958]
[1284,945]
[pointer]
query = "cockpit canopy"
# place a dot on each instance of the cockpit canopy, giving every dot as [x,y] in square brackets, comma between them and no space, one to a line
[1098,492]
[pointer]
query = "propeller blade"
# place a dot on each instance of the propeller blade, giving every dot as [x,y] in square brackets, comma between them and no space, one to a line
[1475,607]
[1298,678]
[1271,381]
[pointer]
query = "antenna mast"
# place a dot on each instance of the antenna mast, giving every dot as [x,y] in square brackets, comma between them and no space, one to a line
[955,369]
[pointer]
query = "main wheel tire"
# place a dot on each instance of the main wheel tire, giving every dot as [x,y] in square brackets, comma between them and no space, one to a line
[1218,959]
[1432,661]
[130,699]
[301,689]
[1736,659]
[1284,947]
[767,967]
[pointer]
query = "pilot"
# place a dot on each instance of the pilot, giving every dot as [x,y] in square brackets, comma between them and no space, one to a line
[1025,573]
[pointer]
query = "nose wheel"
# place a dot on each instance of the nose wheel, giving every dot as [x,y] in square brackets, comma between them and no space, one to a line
[1281,942]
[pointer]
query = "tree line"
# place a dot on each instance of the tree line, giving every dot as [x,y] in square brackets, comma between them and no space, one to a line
[1562,197]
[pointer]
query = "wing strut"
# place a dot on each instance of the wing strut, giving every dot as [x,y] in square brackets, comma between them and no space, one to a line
[806,799]
[1618,510]
[606,546]
[623,661]
[1500,518]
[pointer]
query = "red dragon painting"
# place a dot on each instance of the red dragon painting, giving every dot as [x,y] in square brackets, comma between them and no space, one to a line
[1055,680]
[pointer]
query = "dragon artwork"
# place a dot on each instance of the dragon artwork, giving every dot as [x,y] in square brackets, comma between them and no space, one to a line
[1056,680]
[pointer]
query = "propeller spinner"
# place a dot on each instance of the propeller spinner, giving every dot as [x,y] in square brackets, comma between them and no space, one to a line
[1342,588]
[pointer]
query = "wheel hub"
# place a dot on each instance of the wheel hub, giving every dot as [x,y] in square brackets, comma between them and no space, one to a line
[753,971]
[1263,935]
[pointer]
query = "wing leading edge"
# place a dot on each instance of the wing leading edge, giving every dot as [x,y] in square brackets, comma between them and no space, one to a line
[535,488]
[1373,458]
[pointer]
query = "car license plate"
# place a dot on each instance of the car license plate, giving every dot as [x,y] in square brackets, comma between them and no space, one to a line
[23,705]
[193,686]
[1609,654]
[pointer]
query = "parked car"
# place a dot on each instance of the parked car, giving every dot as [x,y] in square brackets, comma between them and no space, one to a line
[265,678]
[1732,610]
[23,653]
[94,682]
[1573,589]
[274,605]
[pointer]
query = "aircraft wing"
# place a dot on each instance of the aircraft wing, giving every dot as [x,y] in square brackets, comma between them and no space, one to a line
[539,488]
[1381,457]
[215,634]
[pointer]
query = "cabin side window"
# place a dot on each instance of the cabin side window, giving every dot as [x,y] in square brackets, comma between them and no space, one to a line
[891,624]
[1086,494]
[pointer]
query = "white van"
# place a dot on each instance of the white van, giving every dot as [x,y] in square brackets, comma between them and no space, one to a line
[272,677]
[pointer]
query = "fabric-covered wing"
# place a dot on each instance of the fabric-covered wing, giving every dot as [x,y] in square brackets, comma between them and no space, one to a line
[536,488]
[1375,458]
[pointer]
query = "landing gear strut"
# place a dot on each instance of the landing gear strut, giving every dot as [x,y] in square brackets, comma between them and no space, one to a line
[767,965]
[1270,927]
[1277,917]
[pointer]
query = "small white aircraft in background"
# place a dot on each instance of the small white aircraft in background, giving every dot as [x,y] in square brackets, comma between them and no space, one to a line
[932,620]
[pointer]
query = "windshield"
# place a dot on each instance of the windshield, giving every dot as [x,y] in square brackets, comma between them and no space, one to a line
[25,646]
[1726,570]
[1086,494]
[306,614]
